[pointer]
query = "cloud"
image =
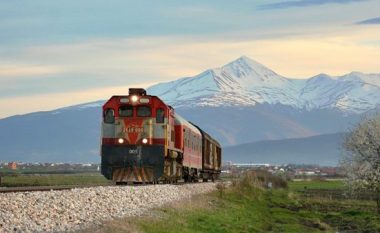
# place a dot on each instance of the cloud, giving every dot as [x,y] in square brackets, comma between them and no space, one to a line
[94,64]
[51,101]
[111,62]
[117,62]
[48,22]
[302,3]
[26,70]
[370,21]
[45,21]
[177,41]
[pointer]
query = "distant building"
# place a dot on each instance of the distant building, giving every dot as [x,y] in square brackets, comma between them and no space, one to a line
[248,165]
[12,165]
[329,171]
[305,172]
[226,171]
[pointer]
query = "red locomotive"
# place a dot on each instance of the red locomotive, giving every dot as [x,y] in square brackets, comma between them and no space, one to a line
[144,140]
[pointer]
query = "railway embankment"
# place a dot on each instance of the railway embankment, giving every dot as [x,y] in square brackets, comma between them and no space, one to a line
[249,204]
[75,209]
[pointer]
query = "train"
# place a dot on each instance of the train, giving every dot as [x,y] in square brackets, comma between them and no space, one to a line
[144,140]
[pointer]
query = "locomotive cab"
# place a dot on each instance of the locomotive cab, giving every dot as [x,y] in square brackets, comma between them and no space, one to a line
[134,137]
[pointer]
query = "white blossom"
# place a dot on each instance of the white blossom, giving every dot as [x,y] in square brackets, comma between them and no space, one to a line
[362,161]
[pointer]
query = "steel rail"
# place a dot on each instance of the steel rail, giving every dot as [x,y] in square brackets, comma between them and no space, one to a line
[68,187]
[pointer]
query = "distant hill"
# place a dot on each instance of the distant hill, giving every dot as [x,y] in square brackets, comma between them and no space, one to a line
[64,135]
[322,149]
[237,125]
[73,134]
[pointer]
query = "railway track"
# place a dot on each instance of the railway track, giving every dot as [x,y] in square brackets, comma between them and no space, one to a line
[68,187]
[74,210]
[45,188]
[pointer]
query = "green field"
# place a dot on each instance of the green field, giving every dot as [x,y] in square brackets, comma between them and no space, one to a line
[245,207]
[17,180]
[316,184]
[46,170]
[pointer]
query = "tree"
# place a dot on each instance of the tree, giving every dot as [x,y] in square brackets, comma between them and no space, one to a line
[362,162]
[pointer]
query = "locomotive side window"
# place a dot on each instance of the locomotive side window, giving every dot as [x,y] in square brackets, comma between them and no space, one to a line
[126,111]
[160,115]
[143,111]
[109,116]
[173,136]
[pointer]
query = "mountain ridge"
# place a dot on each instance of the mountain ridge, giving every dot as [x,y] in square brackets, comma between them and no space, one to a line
[240,103]
[321,149]
[237,96]
[246,82]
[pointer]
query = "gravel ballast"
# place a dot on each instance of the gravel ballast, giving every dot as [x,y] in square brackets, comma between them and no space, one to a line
[69,210]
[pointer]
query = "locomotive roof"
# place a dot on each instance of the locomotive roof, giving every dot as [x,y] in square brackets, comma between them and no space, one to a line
[182,121]
[125,96]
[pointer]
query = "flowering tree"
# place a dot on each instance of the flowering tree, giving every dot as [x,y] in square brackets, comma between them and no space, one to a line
[362,162]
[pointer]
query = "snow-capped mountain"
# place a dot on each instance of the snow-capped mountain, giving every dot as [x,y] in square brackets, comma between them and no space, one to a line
[245,82]
[246,102]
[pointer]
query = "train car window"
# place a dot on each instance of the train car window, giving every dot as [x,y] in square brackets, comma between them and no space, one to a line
[144,111]
[126,111]
[109,116]
[160,115]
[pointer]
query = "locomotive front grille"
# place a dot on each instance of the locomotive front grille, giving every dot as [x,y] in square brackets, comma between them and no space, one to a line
[133,174]
[132,163]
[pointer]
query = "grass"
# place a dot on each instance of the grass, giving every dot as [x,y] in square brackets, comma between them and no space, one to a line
[233,213]
[316,184]
[46,170]
[247,207]
[53,180]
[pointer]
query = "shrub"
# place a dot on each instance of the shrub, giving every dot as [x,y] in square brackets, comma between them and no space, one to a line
[261,179]
[221,187]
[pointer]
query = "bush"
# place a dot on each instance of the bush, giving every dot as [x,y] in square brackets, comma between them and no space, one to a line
[221,187]
[260,178]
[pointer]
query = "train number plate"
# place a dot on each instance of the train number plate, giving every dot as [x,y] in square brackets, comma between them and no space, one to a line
[134,130]
[133,151]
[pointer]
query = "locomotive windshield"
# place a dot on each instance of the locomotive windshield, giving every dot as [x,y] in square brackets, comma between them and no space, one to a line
[109,116]
[126,111]
[143,111]
[160,115]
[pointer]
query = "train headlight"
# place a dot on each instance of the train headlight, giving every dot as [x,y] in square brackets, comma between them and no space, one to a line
[120,140]
[144,141]
[134,98]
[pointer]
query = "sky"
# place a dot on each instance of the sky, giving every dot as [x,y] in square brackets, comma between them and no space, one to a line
[55,54]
